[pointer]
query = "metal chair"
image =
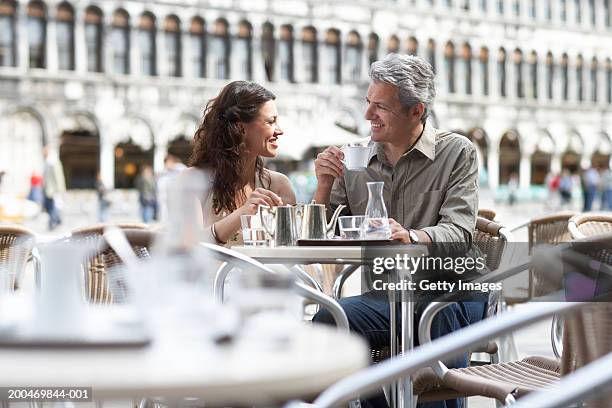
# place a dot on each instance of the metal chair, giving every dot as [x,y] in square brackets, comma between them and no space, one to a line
[371,379]
[549,229]
[16,249]
[491,238]
[487,213]
[95,269]
[590,224]
[231,259]
[587,327]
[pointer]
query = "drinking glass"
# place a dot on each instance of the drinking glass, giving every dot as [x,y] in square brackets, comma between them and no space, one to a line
[253,232]
[350,226]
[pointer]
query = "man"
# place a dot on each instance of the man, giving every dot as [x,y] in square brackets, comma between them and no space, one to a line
[431,189]
[54,186]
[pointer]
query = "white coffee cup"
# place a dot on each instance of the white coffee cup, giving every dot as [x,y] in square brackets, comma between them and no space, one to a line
[356,157]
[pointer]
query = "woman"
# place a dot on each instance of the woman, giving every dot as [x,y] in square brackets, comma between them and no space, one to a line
[240,127]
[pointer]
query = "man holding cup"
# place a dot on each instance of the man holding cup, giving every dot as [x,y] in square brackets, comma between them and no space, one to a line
[430,191]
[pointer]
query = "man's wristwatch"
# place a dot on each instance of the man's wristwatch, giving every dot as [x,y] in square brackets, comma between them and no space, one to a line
[414,238]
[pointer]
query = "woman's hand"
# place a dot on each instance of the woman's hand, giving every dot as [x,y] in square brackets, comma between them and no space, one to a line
[398,232]
[260,196]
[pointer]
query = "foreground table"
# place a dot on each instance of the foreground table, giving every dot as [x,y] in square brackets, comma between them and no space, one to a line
[244,373]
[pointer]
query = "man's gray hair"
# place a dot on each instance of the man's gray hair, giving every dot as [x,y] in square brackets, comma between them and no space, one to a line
[413,76]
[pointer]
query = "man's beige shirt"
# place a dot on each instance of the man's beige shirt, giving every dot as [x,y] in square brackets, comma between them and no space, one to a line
[433,187]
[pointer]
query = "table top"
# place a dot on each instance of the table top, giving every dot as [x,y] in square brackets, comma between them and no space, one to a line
[315,254]
[241,373]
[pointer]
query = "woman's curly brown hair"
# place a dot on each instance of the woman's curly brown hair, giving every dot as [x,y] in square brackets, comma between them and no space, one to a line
[219,142]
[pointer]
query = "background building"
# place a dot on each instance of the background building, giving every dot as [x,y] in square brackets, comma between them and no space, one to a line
[112,85]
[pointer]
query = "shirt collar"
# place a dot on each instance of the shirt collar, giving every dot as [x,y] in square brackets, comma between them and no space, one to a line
[426,144]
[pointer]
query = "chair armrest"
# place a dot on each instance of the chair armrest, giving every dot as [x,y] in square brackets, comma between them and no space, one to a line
[587,381]
[341,279]
[518,227]
[332,306]
[434,308]
[574,231]
[374,377]
[231,259]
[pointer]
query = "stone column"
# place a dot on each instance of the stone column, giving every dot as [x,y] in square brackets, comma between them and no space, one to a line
[161,61]
[23,53]
[134,52]
[107,159]
[186,55]
[158,156]
[493,165]
[525,170]
[80,42]
[107,43]
[51,40]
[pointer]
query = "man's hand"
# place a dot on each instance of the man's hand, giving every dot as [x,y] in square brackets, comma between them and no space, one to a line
[328,166]
[398,232]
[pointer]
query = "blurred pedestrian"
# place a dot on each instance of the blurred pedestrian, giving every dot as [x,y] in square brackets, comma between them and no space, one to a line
[606,190]
[147,194]
[2,173]
[103,202]
[172,167]
[552,184]
[565,188]
[513,186]
[591,183]
[36,189]
[54,186]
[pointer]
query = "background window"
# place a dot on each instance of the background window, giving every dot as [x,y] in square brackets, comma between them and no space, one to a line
[268,48]
[93,39]
[65,37]
[501,71]
[37,34]
[332,51]
[173,46]
[484,69]
[518,70]
[285,51]
[243,49]
[533,75]
[449,62]
[565,77]
[353,56]
[146,44]
[8,48]
[197,40]
[120,39]
[219,50]
[309,54]
[550,75]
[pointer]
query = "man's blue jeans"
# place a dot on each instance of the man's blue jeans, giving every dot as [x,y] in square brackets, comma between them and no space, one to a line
[369,314]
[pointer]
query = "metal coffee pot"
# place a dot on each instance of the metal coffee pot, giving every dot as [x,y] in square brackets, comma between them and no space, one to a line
[284,226]
[314,221]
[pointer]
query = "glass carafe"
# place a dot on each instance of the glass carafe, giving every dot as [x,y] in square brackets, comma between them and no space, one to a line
[376,224]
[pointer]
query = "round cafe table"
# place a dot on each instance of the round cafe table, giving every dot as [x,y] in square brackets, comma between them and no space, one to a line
[243,373]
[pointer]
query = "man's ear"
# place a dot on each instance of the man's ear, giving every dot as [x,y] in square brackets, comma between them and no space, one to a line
[241,127]
[417,111]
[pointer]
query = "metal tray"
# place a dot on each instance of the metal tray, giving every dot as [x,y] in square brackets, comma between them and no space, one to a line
[346,242]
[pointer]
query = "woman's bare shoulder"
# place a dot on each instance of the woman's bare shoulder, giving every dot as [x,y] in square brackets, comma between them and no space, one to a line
[280,184]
